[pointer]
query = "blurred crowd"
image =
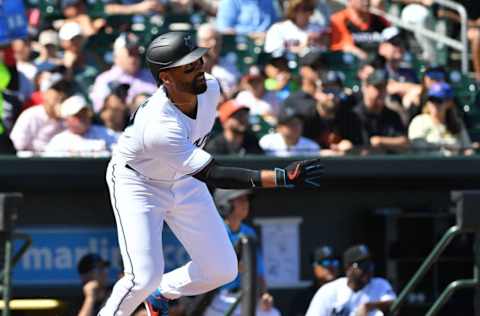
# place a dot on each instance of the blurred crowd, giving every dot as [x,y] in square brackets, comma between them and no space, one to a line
[298,77]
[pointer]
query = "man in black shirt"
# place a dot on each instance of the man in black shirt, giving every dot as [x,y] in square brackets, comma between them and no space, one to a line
[382,129]
[236,137]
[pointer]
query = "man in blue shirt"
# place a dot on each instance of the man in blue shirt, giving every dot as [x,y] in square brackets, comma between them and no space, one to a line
[246,16]
[234,206]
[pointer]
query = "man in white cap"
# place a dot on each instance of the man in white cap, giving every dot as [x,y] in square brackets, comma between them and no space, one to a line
[81,138]
[82,66]
[37,125]
[48,44]
[126,69]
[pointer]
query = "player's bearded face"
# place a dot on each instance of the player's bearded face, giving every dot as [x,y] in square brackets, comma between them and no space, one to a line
[194,82]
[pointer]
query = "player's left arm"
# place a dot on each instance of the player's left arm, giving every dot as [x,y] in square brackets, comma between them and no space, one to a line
[305,173]
[384,306]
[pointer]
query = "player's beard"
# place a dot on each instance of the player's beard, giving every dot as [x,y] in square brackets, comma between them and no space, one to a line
[199,84]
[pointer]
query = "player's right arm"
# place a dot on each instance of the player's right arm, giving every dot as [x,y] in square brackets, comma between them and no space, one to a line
[304,173]
[167,141]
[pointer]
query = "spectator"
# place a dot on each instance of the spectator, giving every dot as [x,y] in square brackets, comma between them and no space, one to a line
[75,11]
[93,271]
[37,125]
[126,69]
[325,267]
[382,128]
[247,17]
[6,146]
[48,57]
[296,33]
[439,128]
[417,95]
[355,30]
[236,137]
[81,66]
[234,206]
[325,107]
[114,113]
[143,7]
[357,294]
[473,32]
[256,98]
[288,140]
[81,137]
[338,128]
[26,70]
[279,77]
[221,68]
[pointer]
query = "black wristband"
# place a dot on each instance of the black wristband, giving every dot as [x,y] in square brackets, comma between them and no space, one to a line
[280,177]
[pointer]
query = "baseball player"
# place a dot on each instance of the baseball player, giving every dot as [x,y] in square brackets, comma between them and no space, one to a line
[159,172]
[357,294]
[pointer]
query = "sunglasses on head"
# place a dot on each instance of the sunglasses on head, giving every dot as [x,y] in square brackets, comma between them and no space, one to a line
[365,266]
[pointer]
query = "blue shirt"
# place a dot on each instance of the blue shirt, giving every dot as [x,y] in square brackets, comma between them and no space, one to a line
[246,16]
[244,230]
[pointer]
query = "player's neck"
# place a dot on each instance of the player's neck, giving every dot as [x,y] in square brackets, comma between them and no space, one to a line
[186,102]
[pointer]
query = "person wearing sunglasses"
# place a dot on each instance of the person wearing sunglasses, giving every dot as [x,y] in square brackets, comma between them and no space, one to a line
[359,293]
[325,268]
[439,129]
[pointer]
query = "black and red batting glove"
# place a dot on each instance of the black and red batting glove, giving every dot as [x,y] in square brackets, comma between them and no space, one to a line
[305,173]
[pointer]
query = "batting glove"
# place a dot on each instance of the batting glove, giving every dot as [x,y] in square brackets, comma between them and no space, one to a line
[305,173]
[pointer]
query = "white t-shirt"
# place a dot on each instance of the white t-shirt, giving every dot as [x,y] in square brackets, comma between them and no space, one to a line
[424,133]
[274,145]
[97,141]
[163,143]
[283,34]
[266,106]
[336,298]
[34,129]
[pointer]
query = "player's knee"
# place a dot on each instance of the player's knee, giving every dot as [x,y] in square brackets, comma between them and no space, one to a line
[148,282]
[227,270]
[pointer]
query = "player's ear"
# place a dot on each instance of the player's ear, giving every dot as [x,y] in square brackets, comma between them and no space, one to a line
[166,77]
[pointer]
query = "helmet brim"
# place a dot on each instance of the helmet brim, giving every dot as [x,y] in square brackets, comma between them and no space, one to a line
[187,59]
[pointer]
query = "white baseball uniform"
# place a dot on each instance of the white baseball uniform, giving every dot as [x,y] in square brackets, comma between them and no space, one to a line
[336,298]
[149,177]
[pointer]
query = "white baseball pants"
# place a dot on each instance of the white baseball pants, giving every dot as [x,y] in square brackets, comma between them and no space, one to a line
[140,206]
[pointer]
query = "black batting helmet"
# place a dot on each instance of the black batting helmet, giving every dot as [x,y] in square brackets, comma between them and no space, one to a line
[170,50]
[223,200]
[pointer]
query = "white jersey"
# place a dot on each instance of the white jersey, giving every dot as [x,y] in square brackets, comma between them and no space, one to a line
[337,299]
[163,143]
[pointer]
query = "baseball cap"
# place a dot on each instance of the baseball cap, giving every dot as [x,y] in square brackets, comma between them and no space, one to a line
[229,108]
[356,253]
[377,78]
[89,262]
[287,114]
[436,73]
[392,35]
[48,37]
[73,105]
[332,77]
[325,256]
[69,30]
[440,91]
[126,40]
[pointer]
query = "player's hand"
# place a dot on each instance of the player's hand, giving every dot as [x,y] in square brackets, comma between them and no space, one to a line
[91,289]
[305,173]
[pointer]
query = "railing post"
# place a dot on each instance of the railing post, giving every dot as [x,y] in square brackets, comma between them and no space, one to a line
[249,276]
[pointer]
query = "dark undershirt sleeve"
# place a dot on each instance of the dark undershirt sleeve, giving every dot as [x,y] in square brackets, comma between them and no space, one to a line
[224,177]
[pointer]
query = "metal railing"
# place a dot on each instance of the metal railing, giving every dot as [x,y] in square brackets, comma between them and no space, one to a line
[460,45]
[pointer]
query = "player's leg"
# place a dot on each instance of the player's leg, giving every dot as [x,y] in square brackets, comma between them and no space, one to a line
[198,226]
[139,226]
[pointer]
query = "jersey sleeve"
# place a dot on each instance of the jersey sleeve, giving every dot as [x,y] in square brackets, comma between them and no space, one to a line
[387,291]
[166,140]
[320,304]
